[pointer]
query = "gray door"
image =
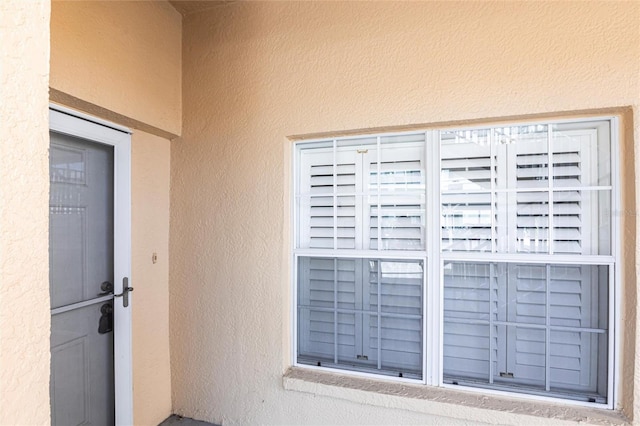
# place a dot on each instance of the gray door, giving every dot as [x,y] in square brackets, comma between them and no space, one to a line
[81,276]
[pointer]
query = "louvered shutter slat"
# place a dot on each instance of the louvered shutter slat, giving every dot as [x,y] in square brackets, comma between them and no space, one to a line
[402,172]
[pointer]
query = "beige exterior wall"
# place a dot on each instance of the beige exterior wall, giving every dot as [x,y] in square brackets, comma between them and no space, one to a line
[123,56]
[256,73]
[150,234]
[121,61]
[24,212]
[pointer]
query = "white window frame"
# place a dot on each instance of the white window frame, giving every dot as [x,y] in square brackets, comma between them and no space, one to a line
[434,259]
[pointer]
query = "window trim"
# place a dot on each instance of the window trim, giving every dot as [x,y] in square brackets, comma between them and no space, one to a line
[434,258]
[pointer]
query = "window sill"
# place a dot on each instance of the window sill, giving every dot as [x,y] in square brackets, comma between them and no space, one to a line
[429,400]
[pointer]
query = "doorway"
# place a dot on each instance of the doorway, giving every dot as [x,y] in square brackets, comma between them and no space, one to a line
[89,259]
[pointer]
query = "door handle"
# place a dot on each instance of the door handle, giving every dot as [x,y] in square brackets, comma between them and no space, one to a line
[107,288]
[125,292]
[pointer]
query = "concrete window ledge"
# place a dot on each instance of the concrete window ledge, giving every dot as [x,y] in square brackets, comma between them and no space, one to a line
[470,406]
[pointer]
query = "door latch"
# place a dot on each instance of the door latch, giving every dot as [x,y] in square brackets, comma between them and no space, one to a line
[125,292]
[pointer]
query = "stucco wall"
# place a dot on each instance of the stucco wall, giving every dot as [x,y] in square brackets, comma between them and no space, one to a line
[24,212]
[150,234]
[121,61]
[124,56]
[255,73]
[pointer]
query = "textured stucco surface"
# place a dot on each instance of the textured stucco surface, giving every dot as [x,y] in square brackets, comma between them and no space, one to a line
[121,61]
[130,47]
[255,73]
[24,212]
[150,234]
[430,400]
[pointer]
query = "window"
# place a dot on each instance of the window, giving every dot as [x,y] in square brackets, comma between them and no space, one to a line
[477,257]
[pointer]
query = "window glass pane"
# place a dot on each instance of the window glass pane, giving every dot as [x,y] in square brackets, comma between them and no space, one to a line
[522,222]
[466,222]
[397,222]
[532,221]
[402,164]
[466,352]
[315,334]
[467,291]
[400,284]
[350,156]
[521,293]
[465,160]
[522,154]
[397,187]
[346,222]
[363,314]
[581,154]
[401,344]
[520,358]
[547,324]
[316,168]
[468,295]
[316,227]
[566,371]
[579,296]
[518,154]
[582,222]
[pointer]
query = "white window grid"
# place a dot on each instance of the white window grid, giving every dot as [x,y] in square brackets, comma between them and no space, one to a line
[434,259]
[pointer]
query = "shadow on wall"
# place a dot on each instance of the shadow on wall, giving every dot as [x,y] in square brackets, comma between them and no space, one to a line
[175,420]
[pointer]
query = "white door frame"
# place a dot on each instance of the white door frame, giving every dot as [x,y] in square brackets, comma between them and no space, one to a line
[66,121]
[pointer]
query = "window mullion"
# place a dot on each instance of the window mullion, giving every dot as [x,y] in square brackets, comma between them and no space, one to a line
[493,197]
[433,280]
[335,194]
[511,180]
[362,224]
[547,354]
[378,187]
[492,274]
[379,306]
[501,209]
[378,246]
[335,310]
[550,183]
[362,216]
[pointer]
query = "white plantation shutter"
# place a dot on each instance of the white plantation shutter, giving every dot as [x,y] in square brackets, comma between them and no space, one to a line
[572,154]
[360,195]
[466,203]
[507,303]
[397,200]
[523,223]
[467,302]
[397,286]
[328,218]
[516,297]
[339,315]
[328,284]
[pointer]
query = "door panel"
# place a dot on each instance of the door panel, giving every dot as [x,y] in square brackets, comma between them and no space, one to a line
[81,369]
[81,259]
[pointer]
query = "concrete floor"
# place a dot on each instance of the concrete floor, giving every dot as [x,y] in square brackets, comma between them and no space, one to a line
[175,420]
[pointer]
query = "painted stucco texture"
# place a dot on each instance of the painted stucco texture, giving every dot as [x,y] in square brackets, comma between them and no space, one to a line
[150,275]
[123,56]
[256,73]
[121,60]
[24,212]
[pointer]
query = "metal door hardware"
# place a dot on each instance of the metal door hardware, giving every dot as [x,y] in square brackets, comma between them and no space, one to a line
[106,288]
[125,292]
[105,325]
